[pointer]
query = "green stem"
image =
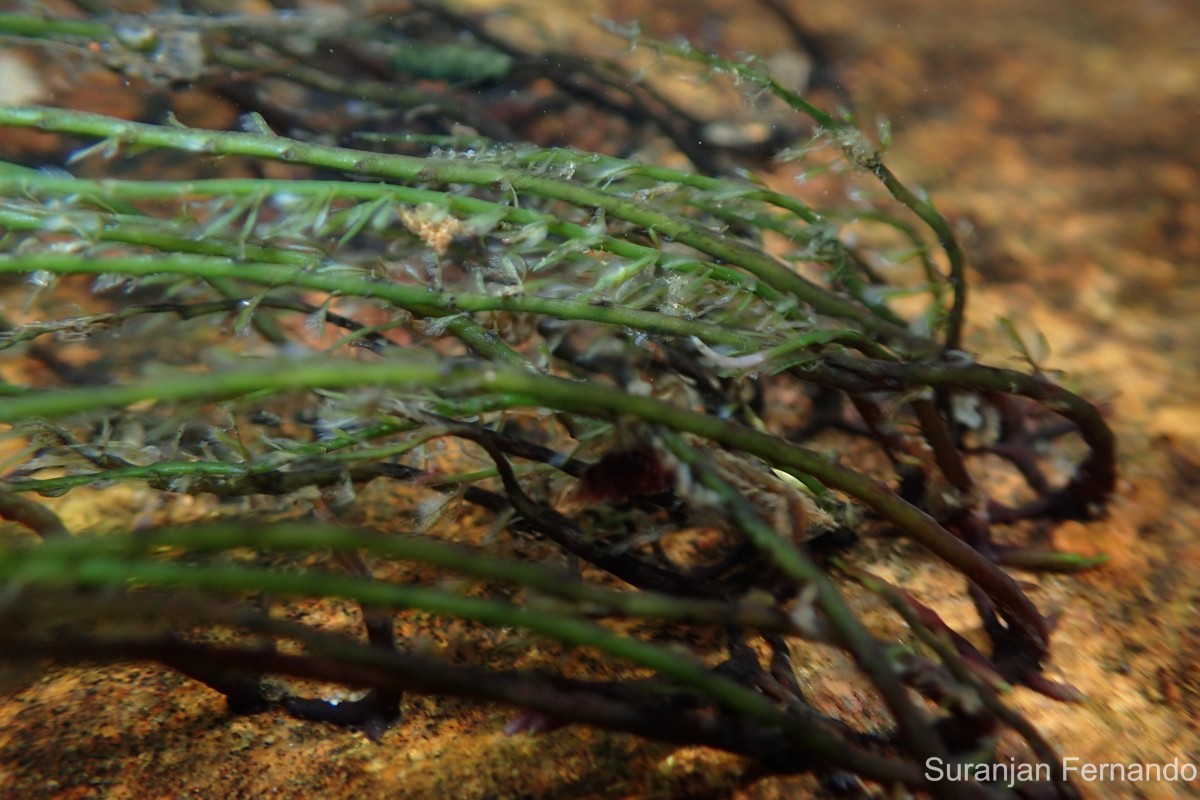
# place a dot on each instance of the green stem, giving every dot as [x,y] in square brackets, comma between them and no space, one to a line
[164,236]
[47,27]
[408,169]
[48,566]
[309,538]
[916,730]
[860,154]
[113,564]
[455,378]
[421,301]
[946,238]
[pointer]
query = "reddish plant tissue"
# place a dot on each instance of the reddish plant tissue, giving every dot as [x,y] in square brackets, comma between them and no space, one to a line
[624,475]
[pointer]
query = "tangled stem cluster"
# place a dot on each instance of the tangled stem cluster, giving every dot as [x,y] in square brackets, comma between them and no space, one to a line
[611,344]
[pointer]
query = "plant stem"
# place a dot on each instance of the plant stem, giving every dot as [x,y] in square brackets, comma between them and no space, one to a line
[408,169]
[457,378]
[916,730]
[421,301]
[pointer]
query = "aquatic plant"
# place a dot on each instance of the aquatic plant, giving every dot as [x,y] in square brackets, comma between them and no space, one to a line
[688,402]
